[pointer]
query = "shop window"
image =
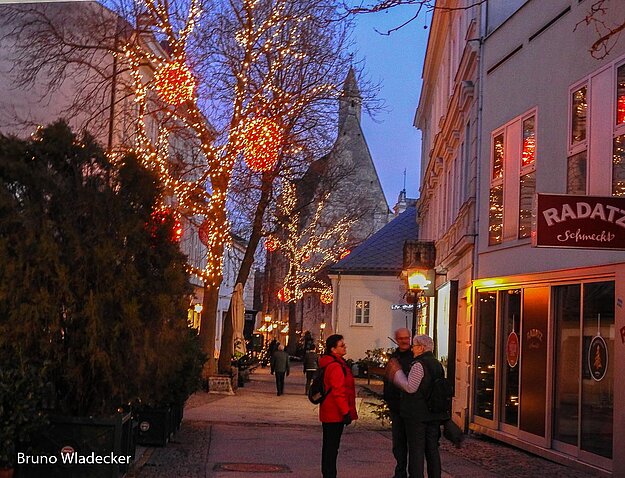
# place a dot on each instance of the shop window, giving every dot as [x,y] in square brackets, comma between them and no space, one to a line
[362,312]
[597,399]
[485,355]
[567,366]
[510,327]
[584,367]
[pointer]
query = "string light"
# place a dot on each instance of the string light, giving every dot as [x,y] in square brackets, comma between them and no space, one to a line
[174,83]
[271,244]
[261,144]
[309,249]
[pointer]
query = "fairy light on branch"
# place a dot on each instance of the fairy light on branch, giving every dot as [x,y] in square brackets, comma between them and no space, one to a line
[309,249]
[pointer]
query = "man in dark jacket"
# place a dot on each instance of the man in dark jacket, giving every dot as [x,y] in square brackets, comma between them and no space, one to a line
[392,396]
[281,366]
[422,426]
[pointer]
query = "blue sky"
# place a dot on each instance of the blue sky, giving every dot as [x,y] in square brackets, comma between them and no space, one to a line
[396,61]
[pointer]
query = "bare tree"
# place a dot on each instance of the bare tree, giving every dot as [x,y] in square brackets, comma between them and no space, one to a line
[191,80]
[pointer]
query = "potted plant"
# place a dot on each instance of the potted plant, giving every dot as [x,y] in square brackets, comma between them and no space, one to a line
[21,410]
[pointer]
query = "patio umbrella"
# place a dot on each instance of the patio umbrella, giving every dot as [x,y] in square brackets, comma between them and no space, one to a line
[238,319]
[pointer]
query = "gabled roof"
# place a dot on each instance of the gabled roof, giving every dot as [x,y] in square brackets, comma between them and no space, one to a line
[383,252]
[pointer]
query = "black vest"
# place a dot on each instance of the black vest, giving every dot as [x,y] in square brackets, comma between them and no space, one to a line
[413,405]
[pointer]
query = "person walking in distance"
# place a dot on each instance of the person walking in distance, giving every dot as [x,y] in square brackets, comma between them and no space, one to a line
[392,395]
[422,427]
[310,366]
[281,366]
[338,409]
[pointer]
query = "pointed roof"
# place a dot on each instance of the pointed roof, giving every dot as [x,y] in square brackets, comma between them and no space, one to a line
[350,85]
[383,252]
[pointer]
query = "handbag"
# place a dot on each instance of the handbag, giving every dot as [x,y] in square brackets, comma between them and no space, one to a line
[453,433]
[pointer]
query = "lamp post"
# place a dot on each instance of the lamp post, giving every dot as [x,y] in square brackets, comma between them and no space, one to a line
[322,327]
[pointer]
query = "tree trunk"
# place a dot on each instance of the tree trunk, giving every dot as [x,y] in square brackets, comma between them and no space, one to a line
[292,347]
[225,355]
[208,328]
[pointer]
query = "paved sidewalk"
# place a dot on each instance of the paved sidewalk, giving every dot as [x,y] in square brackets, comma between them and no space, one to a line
[258,434]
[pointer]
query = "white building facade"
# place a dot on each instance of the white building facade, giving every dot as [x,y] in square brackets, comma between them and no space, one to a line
[540,331]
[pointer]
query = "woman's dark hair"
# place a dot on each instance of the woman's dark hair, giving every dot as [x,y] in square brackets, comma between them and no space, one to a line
[332,341]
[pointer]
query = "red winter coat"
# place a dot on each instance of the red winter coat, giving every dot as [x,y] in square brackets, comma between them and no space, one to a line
[342,397]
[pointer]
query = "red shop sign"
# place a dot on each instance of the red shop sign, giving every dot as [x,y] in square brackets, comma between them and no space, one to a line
[512,349]
[586,222]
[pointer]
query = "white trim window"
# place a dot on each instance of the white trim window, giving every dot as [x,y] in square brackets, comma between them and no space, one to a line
[362,311]
[512,179]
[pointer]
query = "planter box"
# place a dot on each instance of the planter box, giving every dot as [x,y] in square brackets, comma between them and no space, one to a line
[154,426]
[82,440]
[177,412]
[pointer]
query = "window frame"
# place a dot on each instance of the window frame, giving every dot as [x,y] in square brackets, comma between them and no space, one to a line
[354,315]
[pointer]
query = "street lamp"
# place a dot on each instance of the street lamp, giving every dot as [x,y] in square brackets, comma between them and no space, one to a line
[267,322]
[322,327]
[420,282]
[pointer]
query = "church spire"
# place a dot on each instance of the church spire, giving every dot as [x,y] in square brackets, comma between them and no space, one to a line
[350,102]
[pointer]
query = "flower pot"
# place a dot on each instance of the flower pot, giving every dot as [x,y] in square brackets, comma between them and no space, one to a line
[6,472]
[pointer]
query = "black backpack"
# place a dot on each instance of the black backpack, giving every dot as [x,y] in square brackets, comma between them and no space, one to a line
[317,392]
[441,393]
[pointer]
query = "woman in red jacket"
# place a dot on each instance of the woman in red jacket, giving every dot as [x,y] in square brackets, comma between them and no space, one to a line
[339,407]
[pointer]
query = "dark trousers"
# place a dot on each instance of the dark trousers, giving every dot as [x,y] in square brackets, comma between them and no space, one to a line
[331,440]
[400,445]
[280,382]
[423,445]
[309,378]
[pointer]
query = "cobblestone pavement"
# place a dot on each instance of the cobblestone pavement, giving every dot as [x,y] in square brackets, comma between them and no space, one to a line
[256,434]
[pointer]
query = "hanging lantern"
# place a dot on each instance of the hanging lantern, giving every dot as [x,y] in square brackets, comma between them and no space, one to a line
[326,296]
[204,233]
[345,253]
[174,83]
[261,144]
[271,244]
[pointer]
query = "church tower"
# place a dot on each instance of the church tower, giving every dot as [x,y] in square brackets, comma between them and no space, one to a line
[350,101]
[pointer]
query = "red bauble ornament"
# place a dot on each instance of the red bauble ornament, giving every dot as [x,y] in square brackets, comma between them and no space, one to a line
[174,83]
[529,151]
[159,217]
[620,109]
[284,294]
[271,244]
[261,144]
[327,297]
[203,233]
